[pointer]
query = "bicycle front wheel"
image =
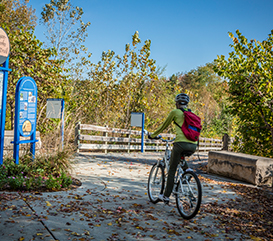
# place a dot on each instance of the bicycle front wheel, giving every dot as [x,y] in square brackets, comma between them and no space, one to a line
[156,182]
[188,195]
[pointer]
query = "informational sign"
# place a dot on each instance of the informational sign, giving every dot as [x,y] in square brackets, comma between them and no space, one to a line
[25,114]
[4,46]
[27,106]
[137,119]
[54,108]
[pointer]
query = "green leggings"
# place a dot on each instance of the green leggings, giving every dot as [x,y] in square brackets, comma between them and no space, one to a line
[178,147]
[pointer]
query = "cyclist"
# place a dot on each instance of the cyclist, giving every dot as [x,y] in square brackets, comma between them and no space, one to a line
[181,143]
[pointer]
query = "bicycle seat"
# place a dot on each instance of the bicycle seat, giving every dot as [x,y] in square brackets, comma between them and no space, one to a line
[187,153]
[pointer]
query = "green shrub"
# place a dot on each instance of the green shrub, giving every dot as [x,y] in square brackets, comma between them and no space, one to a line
[48,172]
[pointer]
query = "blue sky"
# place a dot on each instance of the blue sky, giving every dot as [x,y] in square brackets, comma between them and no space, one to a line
[184,34]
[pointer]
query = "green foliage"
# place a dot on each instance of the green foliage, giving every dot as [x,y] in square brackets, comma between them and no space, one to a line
[29,58]
[249,70]
[117,85]
[55,183]
[41,174]
[16,14]
[110,90]
[208,98]
[66,32]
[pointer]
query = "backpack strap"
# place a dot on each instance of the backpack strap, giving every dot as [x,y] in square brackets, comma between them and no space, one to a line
[182,109]
[177,125]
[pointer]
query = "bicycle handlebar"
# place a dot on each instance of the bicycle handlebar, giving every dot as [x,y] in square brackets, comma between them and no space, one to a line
[165,140]
[159,137]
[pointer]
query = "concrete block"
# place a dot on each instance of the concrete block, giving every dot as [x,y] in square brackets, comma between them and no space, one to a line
[24,148]
[249,168]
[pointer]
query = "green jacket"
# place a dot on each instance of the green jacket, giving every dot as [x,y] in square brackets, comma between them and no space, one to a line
[177,116]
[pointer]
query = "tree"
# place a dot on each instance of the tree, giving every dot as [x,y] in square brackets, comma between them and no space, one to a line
[117,85]
[29,58]
[27,55]
[67,33]
[16,14]
[249,70]
[208,97]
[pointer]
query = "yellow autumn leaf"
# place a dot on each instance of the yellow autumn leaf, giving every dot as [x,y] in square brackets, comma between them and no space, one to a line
[48,204]
[109,224]
[255,238]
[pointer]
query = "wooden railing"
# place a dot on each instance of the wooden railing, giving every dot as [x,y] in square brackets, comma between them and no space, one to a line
[98,138]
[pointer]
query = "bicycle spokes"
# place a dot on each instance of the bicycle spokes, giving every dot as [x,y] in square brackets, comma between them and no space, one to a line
[156,182]
[188,195]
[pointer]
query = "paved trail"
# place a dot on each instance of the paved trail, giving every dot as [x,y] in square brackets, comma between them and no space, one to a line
[111,204]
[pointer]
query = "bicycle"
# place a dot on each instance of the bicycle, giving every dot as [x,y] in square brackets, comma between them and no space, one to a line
[187,186]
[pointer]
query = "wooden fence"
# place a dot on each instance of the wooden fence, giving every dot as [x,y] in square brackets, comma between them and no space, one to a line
[98,138]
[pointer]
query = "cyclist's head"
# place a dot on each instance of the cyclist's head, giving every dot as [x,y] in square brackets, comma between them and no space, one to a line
[182,99]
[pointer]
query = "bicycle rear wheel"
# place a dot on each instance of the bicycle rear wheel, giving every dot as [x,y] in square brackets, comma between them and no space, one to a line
[188,195]
[156,182]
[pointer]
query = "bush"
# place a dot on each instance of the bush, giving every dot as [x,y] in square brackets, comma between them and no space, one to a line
[44,173]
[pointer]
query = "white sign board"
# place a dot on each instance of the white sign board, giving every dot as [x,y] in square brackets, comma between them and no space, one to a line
[54,108]
[136,119]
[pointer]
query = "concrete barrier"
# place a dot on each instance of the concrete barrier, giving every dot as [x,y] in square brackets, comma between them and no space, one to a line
[252,169]
[8,146]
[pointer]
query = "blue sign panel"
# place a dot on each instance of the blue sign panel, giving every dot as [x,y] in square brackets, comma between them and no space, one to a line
[25,114]
[27,91]
[1,89]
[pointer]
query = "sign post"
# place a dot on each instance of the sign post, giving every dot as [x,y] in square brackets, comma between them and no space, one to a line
[4,64]
[25,115]
[55,109]
[137,119]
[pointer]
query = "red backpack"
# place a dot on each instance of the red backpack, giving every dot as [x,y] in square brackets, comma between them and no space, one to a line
[191,126]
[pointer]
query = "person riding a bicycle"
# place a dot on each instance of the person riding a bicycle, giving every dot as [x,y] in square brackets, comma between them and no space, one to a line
[181,143]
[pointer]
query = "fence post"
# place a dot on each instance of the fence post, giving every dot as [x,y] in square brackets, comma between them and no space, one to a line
[129,142]
[225,140]
[106,135]
[77,134]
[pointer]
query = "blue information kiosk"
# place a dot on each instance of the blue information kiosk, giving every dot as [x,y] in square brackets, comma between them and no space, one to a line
[4,68]
[25,115]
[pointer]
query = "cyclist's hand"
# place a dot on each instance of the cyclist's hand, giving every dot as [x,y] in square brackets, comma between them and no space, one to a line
[155,138]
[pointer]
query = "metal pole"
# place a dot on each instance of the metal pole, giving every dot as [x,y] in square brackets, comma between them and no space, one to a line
[62,128]
[142,133]
[5,70]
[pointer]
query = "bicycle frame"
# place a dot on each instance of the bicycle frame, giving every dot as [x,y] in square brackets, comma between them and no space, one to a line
[166,160]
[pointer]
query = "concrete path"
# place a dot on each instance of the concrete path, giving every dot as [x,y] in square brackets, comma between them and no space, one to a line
[111,204]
